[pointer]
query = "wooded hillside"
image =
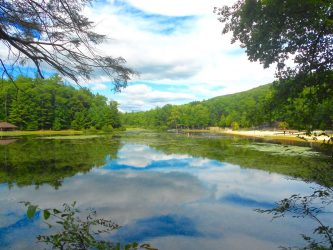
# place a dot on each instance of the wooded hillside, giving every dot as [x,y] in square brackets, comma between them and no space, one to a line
[33,104]
[256,107]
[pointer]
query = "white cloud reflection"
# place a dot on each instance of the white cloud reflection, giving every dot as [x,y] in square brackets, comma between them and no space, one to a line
[145,184]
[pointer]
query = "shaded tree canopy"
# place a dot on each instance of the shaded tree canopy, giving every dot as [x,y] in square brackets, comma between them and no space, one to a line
[35,103]
[53,34]
[278,32]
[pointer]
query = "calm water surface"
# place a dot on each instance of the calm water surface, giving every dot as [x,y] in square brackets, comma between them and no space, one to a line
[173,191]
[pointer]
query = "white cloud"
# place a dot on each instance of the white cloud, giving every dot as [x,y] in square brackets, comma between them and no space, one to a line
[99,86]
[140,97]
[176,7]
[140,159]
[176,43]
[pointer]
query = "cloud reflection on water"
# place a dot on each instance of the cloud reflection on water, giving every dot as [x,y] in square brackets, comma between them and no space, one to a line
[172,201]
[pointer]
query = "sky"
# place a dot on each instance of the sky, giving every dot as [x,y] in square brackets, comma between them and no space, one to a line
[178,49]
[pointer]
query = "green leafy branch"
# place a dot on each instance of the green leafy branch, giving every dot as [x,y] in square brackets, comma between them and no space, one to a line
[310,206]
[77,233]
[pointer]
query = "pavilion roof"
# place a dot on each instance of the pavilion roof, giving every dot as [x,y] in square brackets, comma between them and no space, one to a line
[7,125]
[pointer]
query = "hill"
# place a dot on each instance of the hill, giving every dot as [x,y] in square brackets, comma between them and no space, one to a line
[244,108]
[263,105]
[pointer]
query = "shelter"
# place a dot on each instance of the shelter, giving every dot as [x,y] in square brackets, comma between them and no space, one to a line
[7,141]
[5,126]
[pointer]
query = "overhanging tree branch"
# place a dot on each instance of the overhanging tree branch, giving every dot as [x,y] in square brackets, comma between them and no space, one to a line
[56,35]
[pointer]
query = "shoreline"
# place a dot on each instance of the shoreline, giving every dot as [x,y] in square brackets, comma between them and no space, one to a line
[39,132]
[265,134]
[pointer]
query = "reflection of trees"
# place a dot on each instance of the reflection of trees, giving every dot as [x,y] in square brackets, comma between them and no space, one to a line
[34,161]
[313,169]
[238,151]
[312,206]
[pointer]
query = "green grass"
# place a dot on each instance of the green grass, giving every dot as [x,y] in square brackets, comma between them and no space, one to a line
[135,129]
[72,137]
[40,132]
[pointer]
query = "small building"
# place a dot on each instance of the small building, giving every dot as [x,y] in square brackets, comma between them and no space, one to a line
[5,126]
[7,141]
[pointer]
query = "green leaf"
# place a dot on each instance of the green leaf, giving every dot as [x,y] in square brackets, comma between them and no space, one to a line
[31,211]
[56,211]
[46,214]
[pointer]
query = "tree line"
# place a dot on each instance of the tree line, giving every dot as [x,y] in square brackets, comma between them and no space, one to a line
[258,107]
[35,103]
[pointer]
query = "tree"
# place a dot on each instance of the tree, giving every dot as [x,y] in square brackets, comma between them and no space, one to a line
[273,31]
[296,36]
[234,125]
[286,33]
[283,125]
[277,32]
[174,118]
[308,207]
[36,103]
[201,116]
[222,122]
[112,115]
[55,35]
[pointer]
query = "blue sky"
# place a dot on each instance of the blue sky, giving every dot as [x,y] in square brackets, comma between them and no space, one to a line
[178,49]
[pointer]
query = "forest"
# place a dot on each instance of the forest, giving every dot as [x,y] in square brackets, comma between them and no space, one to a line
[35,103]
[258,107]
[43,104]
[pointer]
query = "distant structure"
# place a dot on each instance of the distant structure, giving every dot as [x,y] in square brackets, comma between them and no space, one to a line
[7,141]
[5,126]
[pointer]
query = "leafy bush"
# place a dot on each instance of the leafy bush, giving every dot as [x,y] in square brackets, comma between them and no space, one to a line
[77,233]
[234,125]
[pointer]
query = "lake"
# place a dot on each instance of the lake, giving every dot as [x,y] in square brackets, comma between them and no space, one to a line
[171,190]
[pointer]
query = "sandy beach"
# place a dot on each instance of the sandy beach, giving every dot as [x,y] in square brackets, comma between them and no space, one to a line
[275,134]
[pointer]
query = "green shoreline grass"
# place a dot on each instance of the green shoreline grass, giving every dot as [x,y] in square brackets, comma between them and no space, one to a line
[71,137]
[40,132]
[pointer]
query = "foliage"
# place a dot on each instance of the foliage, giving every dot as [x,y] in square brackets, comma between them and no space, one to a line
[22,163]
[243,108]
[51,104]
[283,125]
[56,35]
[296,161]
[77,233]
[234,125]
[33,161]
[257,107]
[297,37]
[311,206]
[275,31]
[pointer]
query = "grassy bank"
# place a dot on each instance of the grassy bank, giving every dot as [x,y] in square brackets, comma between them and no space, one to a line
[40,132]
